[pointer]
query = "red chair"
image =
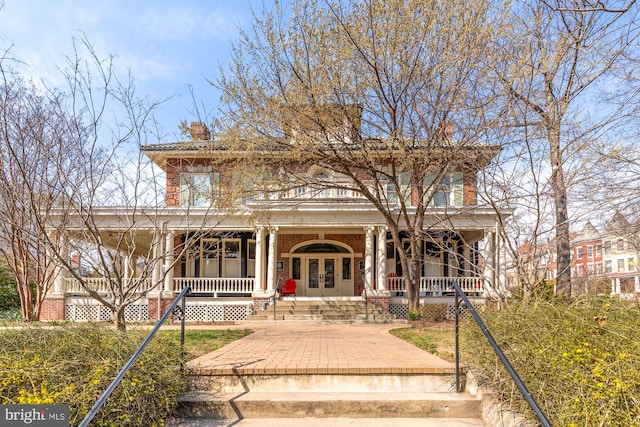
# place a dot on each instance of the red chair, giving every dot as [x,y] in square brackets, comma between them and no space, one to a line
[289,288]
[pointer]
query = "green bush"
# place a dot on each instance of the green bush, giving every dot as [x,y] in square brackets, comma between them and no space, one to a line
[579,359]
[75,364]
[9,298]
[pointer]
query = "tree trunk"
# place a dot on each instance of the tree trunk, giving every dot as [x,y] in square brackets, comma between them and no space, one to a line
[563,251]
[118,319]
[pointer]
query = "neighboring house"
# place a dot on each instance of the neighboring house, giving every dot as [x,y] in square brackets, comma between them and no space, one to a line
[587,262]
[602,261]
[620,256]
[328,239]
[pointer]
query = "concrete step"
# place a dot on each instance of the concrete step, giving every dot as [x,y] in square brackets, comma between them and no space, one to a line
[333,422]
[356,311]
[250,404]
[360,318]
[313,383]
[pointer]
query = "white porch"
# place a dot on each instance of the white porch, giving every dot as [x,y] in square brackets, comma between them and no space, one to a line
[239,286]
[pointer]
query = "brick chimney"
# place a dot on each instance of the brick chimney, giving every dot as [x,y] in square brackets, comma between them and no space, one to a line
[199,132]
[445,131]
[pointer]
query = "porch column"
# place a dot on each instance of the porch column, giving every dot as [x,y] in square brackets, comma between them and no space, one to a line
[168,261]
[271,258]
[382,259]
[489,256]
[126,269]
[258,283]
[157,264]
[501,263]
[368,259]
[616,286]
[61,273]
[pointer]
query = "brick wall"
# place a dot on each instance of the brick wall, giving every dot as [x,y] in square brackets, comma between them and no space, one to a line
[52,308]
[153,307]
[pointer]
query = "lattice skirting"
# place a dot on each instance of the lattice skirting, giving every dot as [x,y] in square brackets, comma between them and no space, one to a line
[433,311]
[207,312]
[88,310]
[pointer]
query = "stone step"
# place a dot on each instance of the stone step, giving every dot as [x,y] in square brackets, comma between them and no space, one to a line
[308,310]
[313,383]
[333,422]
[250,404]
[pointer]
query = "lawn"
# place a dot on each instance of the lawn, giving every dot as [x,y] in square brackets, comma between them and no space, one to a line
[435,337]
[200,342]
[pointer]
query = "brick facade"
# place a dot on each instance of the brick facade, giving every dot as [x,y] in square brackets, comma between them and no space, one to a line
[53,308]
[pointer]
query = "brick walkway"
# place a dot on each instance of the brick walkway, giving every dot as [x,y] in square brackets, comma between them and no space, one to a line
[298,348]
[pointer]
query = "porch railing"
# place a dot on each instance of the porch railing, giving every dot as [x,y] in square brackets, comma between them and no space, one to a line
[215,286]
[437,286]
[102,285]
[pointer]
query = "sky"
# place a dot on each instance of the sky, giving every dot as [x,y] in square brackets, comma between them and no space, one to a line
[169,46]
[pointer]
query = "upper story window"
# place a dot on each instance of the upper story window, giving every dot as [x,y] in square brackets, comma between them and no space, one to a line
[199,189]
[598,250]
[607,246]
[449,192]
[620,245]
[589,251]
[402,184]
[579,252]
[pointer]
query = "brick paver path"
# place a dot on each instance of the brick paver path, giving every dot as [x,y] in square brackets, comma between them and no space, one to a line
[290,348]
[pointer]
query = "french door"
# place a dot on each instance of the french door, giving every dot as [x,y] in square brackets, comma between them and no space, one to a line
[321,276]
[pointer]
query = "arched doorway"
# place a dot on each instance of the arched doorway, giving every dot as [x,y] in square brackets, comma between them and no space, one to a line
[322,268]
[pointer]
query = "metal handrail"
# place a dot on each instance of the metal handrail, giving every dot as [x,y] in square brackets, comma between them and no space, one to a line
[505,362]
[100,402]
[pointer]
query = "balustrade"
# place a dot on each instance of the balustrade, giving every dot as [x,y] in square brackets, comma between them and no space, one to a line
[439,286]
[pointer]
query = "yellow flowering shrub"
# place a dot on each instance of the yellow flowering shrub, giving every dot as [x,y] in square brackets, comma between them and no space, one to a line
[580,360]
[74,365]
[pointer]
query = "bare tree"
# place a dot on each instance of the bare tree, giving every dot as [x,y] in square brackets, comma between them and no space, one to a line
[36,152]
[559,59]
[388,95]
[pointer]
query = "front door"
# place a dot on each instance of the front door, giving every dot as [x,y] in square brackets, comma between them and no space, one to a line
[321,276]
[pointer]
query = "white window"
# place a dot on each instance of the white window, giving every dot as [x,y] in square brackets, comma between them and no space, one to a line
[199,189]
[251,258]
[448,192]
[231,261]
[589,251]
[620,245]
[401,184]
[620,265]
[607,246]
[598,269]
[598,251]
[608,268]
[579,252]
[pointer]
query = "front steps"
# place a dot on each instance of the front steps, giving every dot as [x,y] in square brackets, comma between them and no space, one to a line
[323,310]
[420,399]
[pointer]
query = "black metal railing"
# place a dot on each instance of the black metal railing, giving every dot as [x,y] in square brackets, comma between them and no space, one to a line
[100,402]
[505,362]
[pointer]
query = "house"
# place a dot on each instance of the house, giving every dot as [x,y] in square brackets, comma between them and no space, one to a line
[620,256]
[236,239]
[603,262]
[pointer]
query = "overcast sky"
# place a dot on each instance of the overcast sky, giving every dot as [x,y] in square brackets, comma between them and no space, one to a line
[167,45]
